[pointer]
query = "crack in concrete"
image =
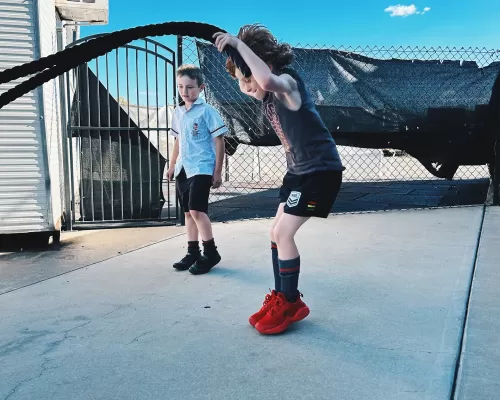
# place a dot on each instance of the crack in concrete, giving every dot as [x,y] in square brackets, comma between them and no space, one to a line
[118,308]
[43,369]
[136,339]
[53,345]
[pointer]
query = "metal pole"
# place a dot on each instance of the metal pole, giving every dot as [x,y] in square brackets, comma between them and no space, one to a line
[139,132]
[149,133]
[180,61]
[111,180]
[90,144]
[119,132]
[65,141]
[496,170]
[167,126]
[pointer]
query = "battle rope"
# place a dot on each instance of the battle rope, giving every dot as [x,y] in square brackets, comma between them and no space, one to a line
[65,60]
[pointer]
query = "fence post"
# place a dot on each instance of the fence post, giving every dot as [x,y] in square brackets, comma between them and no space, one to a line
[226,169]
[496,169]
[180,61]
[66,141]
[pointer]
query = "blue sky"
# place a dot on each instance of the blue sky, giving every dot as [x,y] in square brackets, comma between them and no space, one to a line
[430,23]
[327,22]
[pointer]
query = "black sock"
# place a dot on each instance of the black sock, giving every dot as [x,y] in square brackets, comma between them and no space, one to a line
[209,246]
[276,267]
[193,247]
[289,271]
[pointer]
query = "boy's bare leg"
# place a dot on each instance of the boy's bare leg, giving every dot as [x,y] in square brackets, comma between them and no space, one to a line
[191,228]
[203,225]
[279,213]
[274,249]
[284,234]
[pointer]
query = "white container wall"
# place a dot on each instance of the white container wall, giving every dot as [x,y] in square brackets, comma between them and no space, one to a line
[25,204]
[31,167]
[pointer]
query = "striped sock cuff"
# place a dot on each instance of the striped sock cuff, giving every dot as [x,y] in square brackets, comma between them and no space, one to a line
[290,266]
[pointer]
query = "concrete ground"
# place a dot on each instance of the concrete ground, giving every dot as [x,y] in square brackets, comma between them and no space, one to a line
[388,292]
[479,373]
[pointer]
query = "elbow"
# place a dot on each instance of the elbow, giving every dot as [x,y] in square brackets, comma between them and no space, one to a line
[267,83]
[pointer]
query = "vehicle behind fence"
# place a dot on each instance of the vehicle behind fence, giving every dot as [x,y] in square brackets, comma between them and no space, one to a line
[412,126]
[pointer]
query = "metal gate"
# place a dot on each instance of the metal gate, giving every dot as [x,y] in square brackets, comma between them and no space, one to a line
[119,107]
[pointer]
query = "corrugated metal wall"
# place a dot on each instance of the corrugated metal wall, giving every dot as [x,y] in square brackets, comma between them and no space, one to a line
[24,182]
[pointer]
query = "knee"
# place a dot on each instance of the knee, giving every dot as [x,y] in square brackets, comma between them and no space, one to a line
[281,234]
[195,214]
[271,234]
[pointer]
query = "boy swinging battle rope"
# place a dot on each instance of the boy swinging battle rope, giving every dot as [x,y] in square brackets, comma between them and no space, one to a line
[262,67]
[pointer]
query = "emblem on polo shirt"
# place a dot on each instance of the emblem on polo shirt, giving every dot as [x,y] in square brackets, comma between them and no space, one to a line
[195,129]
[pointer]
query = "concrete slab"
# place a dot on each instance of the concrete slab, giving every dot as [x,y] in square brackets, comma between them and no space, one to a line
[387,294]
[479,374]
[76,250]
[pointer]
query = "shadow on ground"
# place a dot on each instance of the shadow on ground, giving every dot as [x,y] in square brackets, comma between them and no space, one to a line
[28,242]
[363,197]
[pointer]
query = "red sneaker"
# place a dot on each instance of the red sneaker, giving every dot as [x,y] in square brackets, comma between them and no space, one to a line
[298,309]
[268,302]
[281,315]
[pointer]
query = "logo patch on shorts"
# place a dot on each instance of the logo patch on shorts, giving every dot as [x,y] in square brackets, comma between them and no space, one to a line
[293,199]
[311,206]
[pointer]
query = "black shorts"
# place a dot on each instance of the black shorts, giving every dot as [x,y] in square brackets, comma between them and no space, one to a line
[310,195]
[193,192]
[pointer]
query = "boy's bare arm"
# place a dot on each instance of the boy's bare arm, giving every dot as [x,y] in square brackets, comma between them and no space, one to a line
[260,70]
[173,159]
[219,159]
[263,74]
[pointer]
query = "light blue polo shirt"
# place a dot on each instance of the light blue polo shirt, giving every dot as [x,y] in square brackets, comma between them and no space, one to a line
[195,129]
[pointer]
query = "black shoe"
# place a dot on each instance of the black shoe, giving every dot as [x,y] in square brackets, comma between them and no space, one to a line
[188,260]
[205,263]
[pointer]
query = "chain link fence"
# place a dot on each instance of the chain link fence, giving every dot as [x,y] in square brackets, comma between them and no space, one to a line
[375,179]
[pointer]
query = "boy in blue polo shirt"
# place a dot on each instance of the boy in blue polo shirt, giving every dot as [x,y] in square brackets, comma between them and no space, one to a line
[197,165]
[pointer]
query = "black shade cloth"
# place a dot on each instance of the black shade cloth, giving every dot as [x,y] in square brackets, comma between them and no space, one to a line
[436,111]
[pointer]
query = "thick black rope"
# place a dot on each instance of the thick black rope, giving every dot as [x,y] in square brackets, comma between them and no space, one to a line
[72,57]
[41,64]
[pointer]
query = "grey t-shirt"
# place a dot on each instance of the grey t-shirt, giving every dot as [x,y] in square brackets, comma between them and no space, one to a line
[309,146]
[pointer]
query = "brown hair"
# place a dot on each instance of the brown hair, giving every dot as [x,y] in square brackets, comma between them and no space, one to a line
[262,42]
[192,71]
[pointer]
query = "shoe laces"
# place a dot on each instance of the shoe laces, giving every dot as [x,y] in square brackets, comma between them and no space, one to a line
[277,306]
[267,299]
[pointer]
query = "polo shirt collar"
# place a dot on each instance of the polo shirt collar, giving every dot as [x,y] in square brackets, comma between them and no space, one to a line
[199,100]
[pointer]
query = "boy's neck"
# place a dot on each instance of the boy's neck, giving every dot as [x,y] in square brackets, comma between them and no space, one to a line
[189,105]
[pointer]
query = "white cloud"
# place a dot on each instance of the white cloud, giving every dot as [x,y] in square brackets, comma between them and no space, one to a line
[401,11]
[405,11]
